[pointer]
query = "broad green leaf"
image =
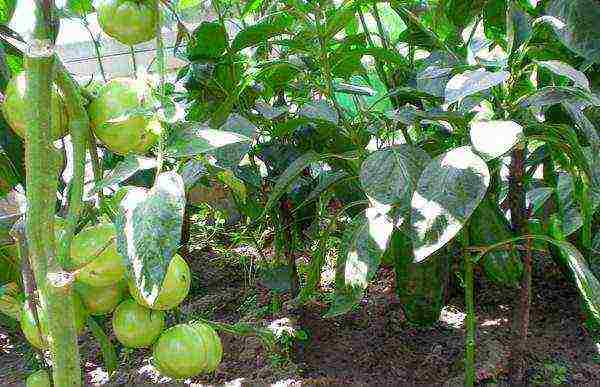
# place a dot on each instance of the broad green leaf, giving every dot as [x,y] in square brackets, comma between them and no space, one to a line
[288,176]
[148,227]
[471,82]
[552,95]
[339,19]
[494,19]
[410,115]
[262,31]
[580,32]
[565,70]
[191,172]
[347,88]
[208,41]
[270,112]
[80,7]
[124,170]
[109,355]
[194,140]
[326,181]
[494,138]
[584,124]
[364,245]
[568,204]
[537,197]
[433,80]
[448,191]
[390,176]
[519,27]
[230,155]
[319,110]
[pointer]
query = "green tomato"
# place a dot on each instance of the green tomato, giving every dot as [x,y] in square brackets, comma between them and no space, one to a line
[128,21]
[15,105]
[101,300]
[136,326]
[214,348]
[114,122]
[29,327]
[175,287]
[38,379]
[94,254]
[187,350]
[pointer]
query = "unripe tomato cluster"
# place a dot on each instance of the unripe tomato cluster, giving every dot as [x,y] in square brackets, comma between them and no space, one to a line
[102,287]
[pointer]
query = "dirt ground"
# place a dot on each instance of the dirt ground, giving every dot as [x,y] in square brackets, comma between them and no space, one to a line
[371,346]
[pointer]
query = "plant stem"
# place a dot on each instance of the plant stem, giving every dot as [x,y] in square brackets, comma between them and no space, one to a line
[79,126]
[96,48]
[162,69]
[470,305]
[54,285]
[518,216]
[133,60]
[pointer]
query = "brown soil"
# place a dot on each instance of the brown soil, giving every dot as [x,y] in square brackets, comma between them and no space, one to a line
[371,346]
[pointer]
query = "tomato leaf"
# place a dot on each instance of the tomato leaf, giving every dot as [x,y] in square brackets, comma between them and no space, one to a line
[109,355]
[148,227]
[195,140]
[124,170]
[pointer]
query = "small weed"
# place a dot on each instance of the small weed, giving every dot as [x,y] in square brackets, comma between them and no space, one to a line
[553,373]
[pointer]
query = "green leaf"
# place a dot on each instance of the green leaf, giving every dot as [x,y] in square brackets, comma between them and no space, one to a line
[7,10]
[565,70]
[109,355]
[319,110]
[148,227]
[288,176]
[364,245]
[339,19]
[80,7]
[191,172]
[347,88]
[124,170]
[261,32]
[519,26]
[552,95]
[194,140]
[208,41]
[494,138]
[389,176]
[326,181]
[230,155]
[584,124]
[471,82]
[449,190]
[580,32]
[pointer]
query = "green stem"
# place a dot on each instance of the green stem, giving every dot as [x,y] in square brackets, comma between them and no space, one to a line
[162,69]
[470,320]
[79,126]
[96,48]
[54,285]
[133,60]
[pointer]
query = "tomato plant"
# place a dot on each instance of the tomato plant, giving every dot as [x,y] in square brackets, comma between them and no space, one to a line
[431,137]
